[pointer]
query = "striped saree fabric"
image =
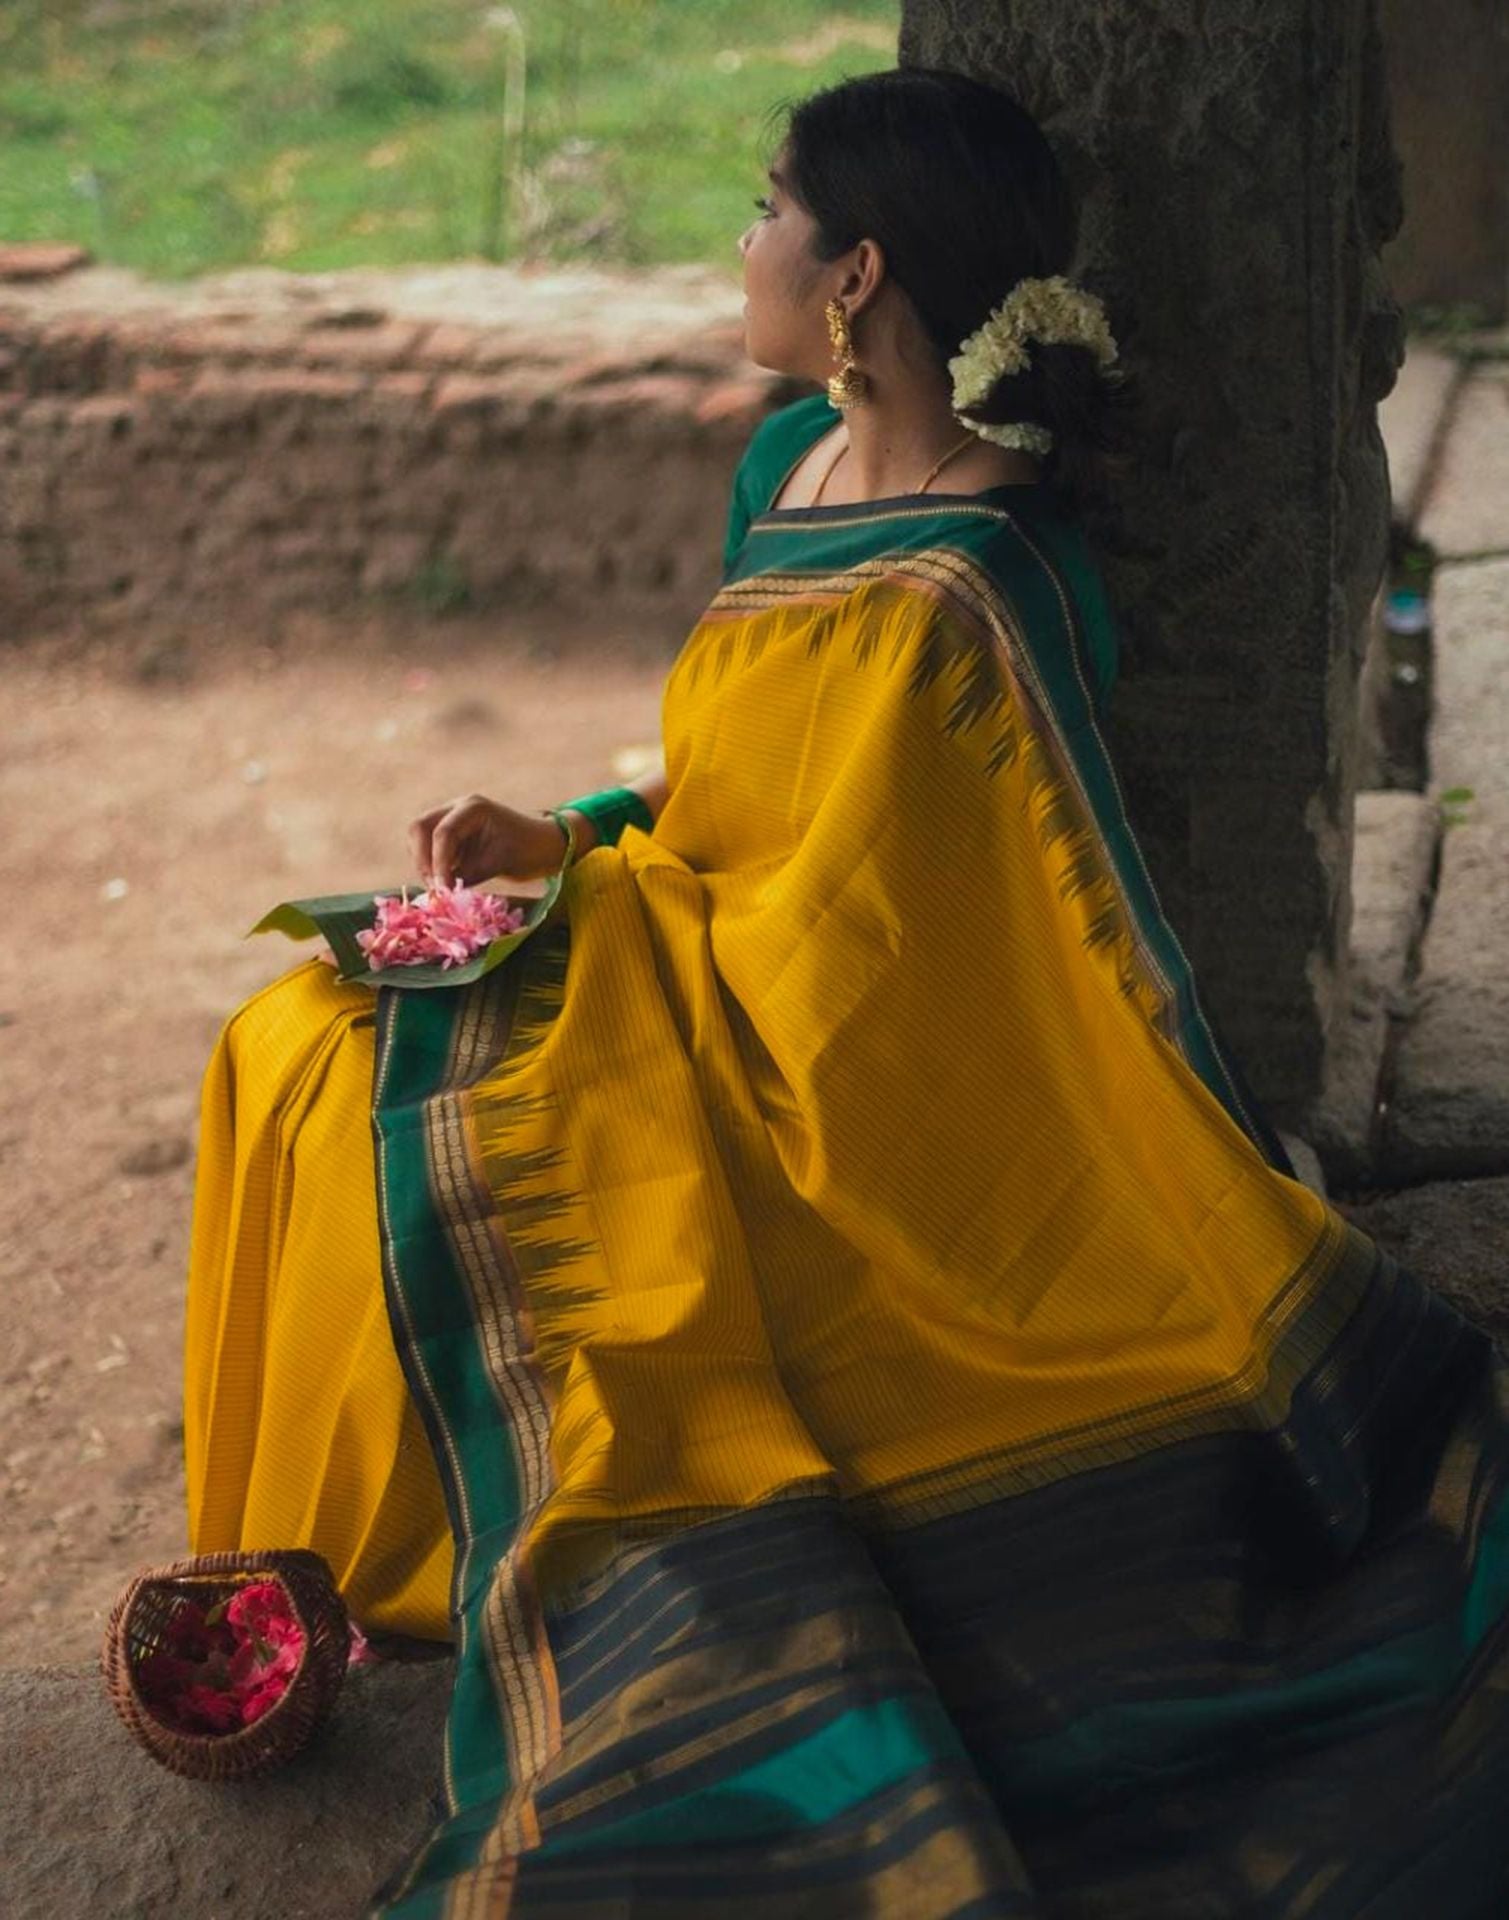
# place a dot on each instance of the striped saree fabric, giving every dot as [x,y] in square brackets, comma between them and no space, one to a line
[910,1446]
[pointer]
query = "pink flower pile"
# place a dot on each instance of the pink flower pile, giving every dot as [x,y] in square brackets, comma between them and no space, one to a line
[444,924]
[224,1668]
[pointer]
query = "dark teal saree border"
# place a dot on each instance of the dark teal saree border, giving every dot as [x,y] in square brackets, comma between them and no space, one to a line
[434,1333]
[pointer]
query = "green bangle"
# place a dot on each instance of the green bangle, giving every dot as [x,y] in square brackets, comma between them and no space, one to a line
[568,827]
[611,809]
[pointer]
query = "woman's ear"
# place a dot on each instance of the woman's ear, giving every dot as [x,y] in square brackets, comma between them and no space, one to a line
[865,277]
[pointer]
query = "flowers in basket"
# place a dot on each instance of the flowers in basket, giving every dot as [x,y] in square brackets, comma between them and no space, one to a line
[222,1667]
[224,1664]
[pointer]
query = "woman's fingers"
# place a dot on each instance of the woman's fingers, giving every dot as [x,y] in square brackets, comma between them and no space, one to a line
[445,843]
[469,840]
[422,840]
[452,846]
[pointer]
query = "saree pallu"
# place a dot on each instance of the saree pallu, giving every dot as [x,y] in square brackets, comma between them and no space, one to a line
[910,1446]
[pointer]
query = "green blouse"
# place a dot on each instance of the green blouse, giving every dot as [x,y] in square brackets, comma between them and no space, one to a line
[783,437]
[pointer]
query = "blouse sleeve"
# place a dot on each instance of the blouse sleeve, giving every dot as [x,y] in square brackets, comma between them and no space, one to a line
[739,513]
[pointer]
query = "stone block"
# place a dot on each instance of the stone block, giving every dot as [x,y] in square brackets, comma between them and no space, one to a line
[91,1825]
[462,393]
[154,380]
[71,354]
[1393,853]
[445,346]
[231,339]
[403,386]
[1452,1235]
[277,384]
[659,397]
[393,407]
[1469,727]
[1413,419]
[1449,1109]
[40,260]
[477,349]
[360,348]
[110,414]
[46,417]
[741,404]
[1306,1162]
[1467,507]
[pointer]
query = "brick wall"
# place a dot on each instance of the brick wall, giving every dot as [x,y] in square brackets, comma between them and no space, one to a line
[231,452]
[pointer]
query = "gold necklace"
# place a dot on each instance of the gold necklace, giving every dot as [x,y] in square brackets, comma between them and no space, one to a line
[932,471]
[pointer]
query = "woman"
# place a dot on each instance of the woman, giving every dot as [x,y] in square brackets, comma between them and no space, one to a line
[854,1373]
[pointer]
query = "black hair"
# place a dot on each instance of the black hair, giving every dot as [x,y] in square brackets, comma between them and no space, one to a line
[958,185]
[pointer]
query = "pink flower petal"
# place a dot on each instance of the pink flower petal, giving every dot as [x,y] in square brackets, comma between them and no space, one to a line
[360,1653]
[254,1705]
[441,924]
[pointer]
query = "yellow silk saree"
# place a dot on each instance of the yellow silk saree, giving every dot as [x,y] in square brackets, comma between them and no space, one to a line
[826,1331]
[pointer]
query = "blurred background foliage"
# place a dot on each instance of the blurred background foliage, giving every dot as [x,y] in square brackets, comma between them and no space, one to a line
[310,134]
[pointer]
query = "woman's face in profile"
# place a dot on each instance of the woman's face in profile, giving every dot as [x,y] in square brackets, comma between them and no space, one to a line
[784,327]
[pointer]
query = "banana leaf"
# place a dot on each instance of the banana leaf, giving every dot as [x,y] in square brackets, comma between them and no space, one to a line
[338,917]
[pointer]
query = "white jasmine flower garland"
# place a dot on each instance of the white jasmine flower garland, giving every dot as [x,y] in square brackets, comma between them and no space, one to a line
[1052,310]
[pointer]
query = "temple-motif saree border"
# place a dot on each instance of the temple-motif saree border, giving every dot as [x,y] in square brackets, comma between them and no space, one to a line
[797,1571]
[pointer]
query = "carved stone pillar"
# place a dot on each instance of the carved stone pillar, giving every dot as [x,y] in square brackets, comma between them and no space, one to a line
[1236,181]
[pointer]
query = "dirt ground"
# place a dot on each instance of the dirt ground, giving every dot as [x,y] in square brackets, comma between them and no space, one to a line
[157,797]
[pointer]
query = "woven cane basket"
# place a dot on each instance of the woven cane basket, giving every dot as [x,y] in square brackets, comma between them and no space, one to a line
[138,1626]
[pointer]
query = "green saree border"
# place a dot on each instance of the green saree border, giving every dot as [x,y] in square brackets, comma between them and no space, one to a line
[460,1321]
[420,1041]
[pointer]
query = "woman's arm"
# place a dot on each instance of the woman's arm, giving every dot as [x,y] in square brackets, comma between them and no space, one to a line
[652,787]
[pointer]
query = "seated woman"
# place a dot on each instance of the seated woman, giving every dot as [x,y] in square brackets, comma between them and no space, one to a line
[824,1328]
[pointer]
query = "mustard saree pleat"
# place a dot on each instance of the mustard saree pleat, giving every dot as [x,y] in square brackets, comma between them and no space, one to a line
[299,1428]
[912,1448]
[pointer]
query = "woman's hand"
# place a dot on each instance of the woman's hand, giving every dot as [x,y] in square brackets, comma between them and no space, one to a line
[475,838]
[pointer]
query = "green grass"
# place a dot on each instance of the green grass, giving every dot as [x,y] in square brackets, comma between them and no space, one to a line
[309,134]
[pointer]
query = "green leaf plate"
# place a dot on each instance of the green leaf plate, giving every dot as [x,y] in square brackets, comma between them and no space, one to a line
[339,917]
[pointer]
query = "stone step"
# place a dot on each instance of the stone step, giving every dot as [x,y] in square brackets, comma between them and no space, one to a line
[1451,1234]
[1466,510]
[1392,861]
[1413,418]
[1469,728]
[91,1825]
[1449,1109]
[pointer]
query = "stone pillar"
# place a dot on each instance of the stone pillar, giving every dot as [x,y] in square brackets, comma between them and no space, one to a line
[1236,182]
[1448,75]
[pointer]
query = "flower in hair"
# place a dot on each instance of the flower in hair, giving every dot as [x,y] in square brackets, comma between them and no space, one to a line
[1051,310]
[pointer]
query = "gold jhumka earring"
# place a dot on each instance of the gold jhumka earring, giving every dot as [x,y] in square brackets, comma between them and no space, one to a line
[848,386]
